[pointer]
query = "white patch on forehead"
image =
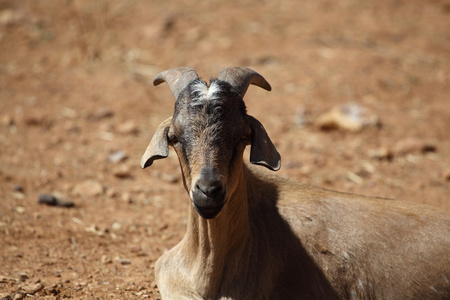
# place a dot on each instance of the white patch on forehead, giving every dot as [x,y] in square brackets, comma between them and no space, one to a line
[204,92]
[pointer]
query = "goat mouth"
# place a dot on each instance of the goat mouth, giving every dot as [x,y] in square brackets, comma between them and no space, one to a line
[209,212]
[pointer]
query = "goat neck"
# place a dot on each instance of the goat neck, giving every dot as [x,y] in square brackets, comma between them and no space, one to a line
[212,246]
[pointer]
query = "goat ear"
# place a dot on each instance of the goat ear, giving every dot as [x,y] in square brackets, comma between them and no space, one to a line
[262,151]
[159,145]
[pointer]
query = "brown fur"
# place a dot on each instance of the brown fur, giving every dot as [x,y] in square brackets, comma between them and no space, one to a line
[272,238]
[292,241]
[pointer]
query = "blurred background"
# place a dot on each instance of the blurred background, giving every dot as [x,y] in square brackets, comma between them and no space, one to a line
[359,103]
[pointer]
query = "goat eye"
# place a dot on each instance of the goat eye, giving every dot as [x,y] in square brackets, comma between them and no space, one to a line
[173,139]
[246,135]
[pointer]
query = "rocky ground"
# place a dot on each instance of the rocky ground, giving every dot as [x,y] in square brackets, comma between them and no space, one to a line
[360,103]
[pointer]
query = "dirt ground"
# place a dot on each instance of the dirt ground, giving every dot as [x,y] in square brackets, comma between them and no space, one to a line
[77,110]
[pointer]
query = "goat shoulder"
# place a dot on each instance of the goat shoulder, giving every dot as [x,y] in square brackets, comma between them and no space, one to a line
[366,247]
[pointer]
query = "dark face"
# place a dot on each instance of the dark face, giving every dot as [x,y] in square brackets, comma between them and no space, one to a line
[209,132]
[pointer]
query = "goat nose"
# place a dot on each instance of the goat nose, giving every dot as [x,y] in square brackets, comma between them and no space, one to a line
[210,188]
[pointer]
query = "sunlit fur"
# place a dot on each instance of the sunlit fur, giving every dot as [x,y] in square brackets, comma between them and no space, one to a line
[202,93]
[280,239]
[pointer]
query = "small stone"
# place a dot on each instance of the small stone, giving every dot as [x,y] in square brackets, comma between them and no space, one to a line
[380,153]
[106,136]
[305,170]
[88,188]
[124,261]
[33,288]
[35,119]
[128,127]
[117,157]
[126,197]
[355,178]
[413,145]
[47,199]
[111,193]
[350,117]
[17,195]
[105,260]
[18,188]
[116,226]
[17,296]
[122,171]
[23,277]
[446,175]
[368,168]
[302,117]
[53,289]
[69,113]
[10,17]
[102,113]
[135,248]
[7,121]
[52,200]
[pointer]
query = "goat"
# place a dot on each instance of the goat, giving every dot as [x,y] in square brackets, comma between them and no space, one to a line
[253,235]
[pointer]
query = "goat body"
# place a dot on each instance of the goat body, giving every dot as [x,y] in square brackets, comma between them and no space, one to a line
[253,235]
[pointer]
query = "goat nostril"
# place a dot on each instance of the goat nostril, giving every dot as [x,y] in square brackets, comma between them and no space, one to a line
[209,188]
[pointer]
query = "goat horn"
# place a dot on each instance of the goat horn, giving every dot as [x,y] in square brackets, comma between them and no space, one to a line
[241,77]
[177,79]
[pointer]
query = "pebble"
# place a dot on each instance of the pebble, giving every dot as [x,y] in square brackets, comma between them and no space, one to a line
[117,156]
[446,174]
[355,178]
[380,153]
[53,289]
[95,229]
[18,195]
[69,113]
[18,296]
[116,226]
[35,119]
[7,121]
[106,136]
[412,145]
[349,117]
[122,171]
[126,197]
[18,188]
[302,118]
[124,261]
[33,288]
[88,188]
[111,193]
[367,167]
[128,127]
[23,277]
[47,199]
[52,200]
[102,113]
[105,260]
[135,248]
[10,17]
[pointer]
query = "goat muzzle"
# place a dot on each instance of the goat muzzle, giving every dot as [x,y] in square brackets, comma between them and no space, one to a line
[208,194]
